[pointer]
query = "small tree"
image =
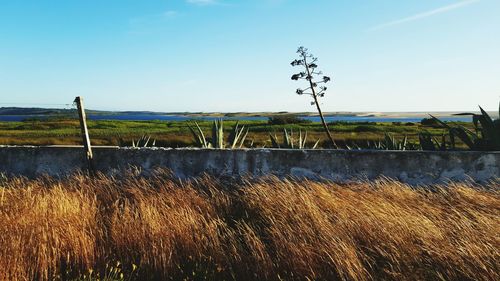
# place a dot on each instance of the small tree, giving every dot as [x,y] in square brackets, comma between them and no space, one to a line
[315,78]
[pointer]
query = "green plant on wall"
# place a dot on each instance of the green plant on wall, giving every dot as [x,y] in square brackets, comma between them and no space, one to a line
[290,142]
[236,138]
[429,142]
[143,141]
[486,134]
[389,142]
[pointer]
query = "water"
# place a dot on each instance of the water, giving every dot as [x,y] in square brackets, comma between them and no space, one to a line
[148,117]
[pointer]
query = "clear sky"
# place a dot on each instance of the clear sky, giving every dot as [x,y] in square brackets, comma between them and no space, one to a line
[223,55]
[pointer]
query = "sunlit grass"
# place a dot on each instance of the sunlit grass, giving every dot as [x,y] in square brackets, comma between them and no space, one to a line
[157,228]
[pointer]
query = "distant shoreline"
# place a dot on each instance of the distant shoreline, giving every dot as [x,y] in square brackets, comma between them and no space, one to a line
[15,111]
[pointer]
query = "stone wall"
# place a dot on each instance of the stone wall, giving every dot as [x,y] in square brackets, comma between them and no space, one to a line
[414,167]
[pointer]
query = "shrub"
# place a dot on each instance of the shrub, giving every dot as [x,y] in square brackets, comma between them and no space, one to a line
[367,128]
[431,122]
[287,119]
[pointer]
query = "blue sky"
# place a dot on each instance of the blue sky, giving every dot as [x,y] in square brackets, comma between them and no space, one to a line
[211,55]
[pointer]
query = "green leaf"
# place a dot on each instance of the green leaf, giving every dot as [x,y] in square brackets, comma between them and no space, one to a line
[316,144]
[462,135]
[274,141]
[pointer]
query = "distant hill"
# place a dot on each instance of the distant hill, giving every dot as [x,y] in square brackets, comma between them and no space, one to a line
[14,111]
[44,111]
[32,111]
[56,112]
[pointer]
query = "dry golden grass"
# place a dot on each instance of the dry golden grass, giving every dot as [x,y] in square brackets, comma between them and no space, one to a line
[267,229]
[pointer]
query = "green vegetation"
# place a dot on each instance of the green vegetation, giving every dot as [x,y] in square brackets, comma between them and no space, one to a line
[178,134]
[287,119]
[290,142]
[484,136]
[389,142]
[429,142]
[236,138]
[144,141]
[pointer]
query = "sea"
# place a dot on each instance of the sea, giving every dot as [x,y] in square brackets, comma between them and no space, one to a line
[149,117]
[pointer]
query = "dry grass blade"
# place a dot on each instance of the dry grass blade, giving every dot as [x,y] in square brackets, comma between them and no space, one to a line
[260,229]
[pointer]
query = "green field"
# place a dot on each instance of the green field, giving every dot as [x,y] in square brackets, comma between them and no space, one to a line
[177,134]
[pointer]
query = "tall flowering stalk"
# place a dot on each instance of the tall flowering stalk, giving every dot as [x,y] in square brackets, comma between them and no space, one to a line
[316,82]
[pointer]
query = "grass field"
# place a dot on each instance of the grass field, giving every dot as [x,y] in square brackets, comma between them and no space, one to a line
[158,228]
[176,134]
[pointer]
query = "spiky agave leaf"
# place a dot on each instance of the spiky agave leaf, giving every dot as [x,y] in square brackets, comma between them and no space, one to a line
[304,140]
[490,132]
[443,142]
[218,134]
[452,141]
[274,141]
[462,134]
[443,124]
[300,140]
[425,140]
[144,141]
[486,135]
[237,136]
[198,136]
[234,135]
[287,139]
[404,143]
[316,144]
[243,138]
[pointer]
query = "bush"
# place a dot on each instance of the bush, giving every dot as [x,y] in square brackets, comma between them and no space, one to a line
[429,122]
[367,128]
[287,119]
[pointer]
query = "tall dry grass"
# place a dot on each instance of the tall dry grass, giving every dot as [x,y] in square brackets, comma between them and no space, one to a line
[267,229]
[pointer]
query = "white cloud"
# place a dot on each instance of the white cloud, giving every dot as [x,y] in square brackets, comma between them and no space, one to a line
[425,14]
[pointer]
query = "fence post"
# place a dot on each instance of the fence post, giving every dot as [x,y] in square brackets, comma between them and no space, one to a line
[85,133]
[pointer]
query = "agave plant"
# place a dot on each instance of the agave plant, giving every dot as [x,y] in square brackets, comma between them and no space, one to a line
[486,134]
[391,143]
[290,142]
[428,142]
[236,138]
[144,141]
[355,146]
[199,136]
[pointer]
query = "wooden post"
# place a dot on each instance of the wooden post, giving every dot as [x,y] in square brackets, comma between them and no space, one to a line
[85,133]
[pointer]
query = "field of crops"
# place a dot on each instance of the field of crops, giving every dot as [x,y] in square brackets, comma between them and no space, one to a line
[160,228]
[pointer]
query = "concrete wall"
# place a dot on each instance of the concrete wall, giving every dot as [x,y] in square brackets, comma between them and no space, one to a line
[415,167]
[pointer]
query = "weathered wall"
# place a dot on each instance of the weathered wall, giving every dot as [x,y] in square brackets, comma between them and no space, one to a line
[414,167]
